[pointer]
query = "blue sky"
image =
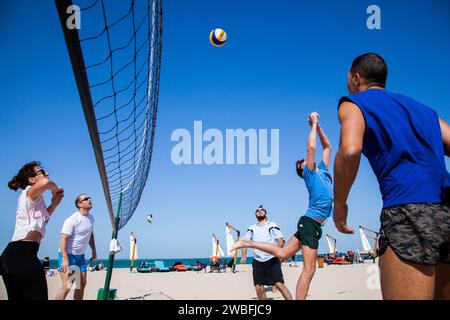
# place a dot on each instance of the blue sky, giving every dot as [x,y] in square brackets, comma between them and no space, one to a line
[281,62]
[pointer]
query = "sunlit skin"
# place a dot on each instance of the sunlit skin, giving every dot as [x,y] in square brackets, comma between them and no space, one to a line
[39,184]
[350,148]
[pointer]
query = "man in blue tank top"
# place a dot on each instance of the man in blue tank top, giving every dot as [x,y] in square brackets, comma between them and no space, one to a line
[405,142]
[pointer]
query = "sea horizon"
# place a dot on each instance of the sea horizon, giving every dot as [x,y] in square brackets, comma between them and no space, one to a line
[168,262]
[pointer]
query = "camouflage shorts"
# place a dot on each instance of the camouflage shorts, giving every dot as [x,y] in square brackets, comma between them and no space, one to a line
[418,233]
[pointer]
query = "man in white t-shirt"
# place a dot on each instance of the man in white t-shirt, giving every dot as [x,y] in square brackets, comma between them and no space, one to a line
[76,234]
[266,267]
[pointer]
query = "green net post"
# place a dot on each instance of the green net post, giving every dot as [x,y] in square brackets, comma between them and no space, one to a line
[111,255]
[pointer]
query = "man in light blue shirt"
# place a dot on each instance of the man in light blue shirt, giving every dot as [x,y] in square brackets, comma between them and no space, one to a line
[309,228]
[266,267]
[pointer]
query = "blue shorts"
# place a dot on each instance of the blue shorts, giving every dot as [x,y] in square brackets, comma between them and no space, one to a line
[74,260]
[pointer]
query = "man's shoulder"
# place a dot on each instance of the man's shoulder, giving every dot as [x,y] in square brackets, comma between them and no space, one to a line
[72,217]
[322,167]
[271,224]
[377,93]
[90,217]
[410,100]
[355,97]
[268,224]
[70,223]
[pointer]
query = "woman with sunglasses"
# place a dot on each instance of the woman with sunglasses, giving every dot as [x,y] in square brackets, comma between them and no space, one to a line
[19,265]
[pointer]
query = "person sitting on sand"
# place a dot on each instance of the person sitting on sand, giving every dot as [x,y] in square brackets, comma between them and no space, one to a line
[214,263]
[318,181]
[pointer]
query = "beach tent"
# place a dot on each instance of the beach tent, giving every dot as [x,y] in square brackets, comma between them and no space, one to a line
[331,244]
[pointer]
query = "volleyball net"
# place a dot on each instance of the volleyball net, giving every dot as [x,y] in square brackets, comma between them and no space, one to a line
[115,52]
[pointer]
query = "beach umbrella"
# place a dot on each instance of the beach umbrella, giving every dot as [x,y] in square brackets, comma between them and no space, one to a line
[365,243]
[230,241]
[133,250]
[217,250]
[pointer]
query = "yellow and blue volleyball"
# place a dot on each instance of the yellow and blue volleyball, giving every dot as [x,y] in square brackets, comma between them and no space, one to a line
[218,37]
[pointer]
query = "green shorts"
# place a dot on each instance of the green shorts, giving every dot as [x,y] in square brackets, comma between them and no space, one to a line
[309,232]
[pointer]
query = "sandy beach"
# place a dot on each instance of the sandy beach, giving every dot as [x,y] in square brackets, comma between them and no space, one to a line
[332,282]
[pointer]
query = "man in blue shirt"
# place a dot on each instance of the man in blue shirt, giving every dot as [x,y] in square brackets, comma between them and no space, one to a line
[309,228]
[405,142]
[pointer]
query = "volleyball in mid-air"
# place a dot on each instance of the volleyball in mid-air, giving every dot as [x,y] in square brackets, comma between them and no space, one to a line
[218,37]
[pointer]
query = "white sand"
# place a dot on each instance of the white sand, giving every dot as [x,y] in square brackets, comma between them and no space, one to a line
[331,282]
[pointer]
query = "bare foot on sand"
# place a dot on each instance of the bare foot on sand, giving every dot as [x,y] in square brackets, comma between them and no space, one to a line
[243,243]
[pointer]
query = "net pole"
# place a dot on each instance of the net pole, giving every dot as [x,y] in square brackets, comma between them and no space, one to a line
[79,69]
[112,254]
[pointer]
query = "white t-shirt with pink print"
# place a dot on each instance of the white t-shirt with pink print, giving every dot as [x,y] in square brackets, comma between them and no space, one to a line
[30,216]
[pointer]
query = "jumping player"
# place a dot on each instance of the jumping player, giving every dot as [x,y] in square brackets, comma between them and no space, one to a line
[318,181]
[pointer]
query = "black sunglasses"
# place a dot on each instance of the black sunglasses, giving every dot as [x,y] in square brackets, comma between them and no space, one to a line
[42,171]
[85,199]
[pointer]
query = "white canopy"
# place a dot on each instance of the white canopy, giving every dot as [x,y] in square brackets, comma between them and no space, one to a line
[331,245]
[216,249]
[230,241]
[365,243]
[133,246]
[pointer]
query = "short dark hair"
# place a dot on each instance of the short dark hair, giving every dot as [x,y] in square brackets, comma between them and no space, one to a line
[298,167]
[372,67]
